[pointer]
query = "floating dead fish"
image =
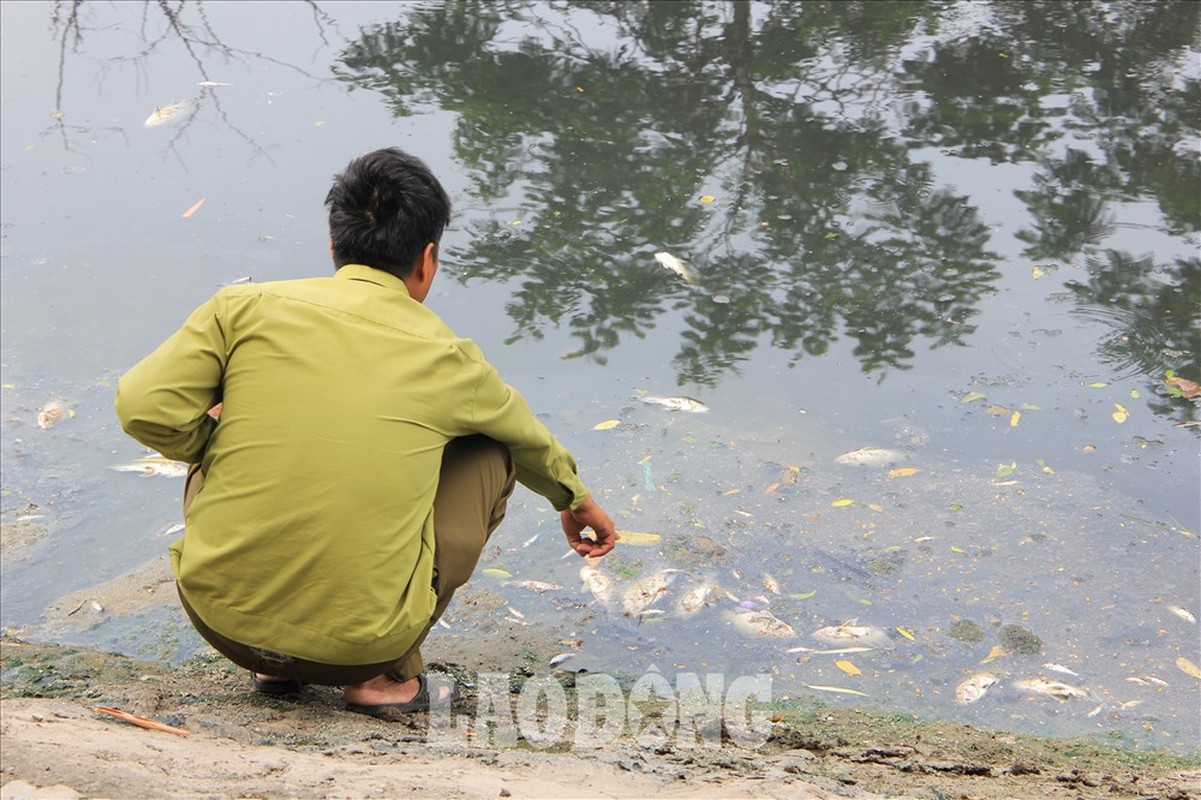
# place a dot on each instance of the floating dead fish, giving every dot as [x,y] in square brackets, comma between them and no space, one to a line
[1057,689]
[761,623]
[668,261]
[697,597]
[835,689]
[770,584]
[559,659]
[870,457]
[599,582]
[641,593]
[687,404]
[835,651]
[159,466]
[1183,613]
[213,84]
[171,114]
[975,687]
[53,413]
[851,633]
[540,587]
[1061,668]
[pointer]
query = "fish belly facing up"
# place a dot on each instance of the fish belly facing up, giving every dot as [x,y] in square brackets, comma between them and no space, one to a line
[697,597]
[975,687]
[1057,689]
[639,595]
[851,633]
[668,261]
[155,466]
[761,623]
[687,404]
[171,114]
[870,457]
[599,582]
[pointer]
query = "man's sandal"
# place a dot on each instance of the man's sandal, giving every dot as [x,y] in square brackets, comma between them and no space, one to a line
[397,711]
[274,686]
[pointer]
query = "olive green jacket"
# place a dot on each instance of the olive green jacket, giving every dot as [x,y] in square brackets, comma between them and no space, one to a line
[314,532]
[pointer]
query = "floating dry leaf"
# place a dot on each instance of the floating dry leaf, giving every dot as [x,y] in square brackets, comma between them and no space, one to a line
[607,425]
[638,538]
[848,667]
[843,502]
[1013,421]
[908,634]
[707,198]
[996,652]
[194,208]
[997,410]
[972,397]
[1183,385]
[1121,415]
[496,572]
[1188,667]
[1005,470]
[903,472]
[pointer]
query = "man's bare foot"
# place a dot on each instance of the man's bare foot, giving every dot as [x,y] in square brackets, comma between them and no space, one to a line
[383,689]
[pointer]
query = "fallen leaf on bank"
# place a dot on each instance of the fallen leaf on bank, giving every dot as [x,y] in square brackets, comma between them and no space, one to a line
[903,472]
[848,667]
[194,208]
[1188,667]
[1121,415]
[607,425]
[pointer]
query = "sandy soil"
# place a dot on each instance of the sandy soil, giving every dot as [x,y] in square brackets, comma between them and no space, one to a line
[244,745]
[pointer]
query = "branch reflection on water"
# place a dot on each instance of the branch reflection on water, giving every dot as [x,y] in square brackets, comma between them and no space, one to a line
[808,127]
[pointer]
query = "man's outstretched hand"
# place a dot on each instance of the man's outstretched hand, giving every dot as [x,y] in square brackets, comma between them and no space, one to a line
[589,515]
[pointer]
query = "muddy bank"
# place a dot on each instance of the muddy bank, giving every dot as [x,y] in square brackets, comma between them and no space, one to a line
[247,745]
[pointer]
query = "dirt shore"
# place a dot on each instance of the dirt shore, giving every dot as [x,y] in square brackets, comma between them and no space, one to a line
[243,745]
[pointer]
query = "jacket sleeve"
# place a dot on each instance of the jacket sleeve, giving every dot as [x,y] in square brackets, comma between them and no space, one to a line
[163,401]
[543,464]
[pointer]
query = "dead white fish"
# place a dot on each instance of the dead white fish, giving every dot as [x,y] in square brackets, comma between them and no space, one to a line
[53,413]
[1061,668]
[1183,613]
[835,651]
[870,457]
[770,584]
[668,261]
[639,595]
[1057,689]
[171,114]
[688,404]
[599,582]
[559,659]
[852,633]
[515,612]
[541,587]
[212,84]
[835,689]
[697,597]
[973,688]
[530,540]
[761,623]
[159,466]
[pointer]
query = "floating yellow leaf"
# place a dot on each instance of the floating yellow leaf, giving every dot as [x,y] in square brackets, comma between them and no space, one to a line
[1037,273]
[707,198]
[803,595]
[607,425]
[645,459]
[496,572]
[1098,385]
[772,488]
[1121,415]
[957,549]
[195,207]
[848,667]
[844,502]
[1013,421]
[1188,667]
[638,538]
[972,397]
[1134,394]
[996,652]
[729,492]
[1005,470]
[908,634]
[903,472]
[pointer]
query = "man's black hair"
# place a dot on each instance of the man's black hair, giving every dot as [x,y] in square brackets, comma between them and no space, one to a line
[384,209]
